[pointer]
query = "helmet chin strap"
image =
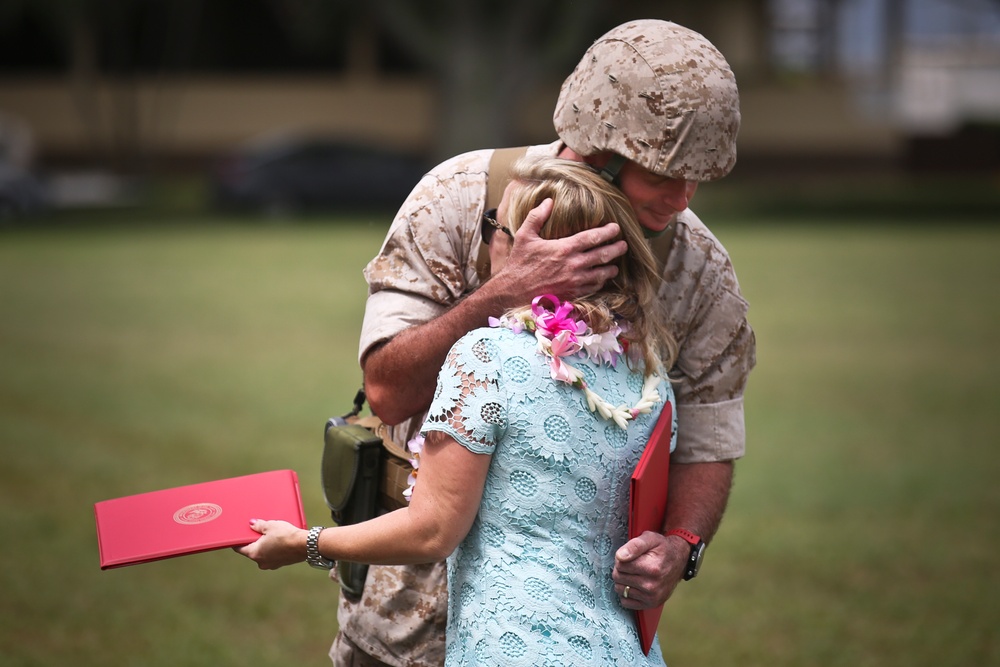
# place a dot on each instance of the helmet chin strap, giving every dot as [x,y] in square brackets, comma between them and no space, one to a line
[612,170]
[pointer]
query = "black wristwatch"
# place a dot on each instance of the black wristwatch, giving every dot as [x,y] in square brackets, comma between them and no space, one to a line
[697,551]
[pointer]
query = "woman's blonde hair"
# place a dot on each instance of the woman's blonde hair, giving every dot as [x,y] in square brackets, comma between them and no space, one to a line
[583,200]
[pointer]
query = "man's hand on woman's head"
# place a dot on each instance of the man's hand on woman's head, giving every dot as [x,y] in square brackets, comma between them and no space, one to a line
[569,267]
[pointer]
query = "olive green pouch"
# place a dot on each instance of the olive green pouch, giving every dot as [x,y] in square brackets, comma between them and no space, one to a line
[350,474]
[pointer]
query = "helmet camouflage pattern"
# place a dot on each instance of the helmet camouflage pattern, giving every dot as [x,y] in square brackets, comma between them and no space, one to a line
[658,94]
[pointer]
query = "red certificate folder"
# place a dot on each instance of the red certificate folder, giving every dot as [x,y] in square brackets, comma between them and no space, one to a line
[647,505]
[191,519]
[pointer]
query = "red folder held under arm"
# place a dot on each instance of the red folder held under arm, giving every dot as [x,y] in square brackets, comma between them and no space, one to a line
[195,518]
[648,505]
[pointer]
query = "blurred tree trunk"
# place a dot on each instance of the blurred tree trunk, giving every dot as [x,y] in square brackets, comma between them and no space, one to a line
[362,49]
[102,50]
[894,20]
[827,55]
[486,57]
[77,22]
[83,73]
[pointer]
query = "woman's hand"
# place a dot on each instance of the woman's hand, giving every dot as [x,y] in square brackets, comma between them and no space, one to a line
[280,544]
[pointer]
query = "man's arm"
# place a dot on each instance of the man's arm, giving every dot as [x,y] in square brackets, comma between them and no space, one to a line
[652,564]
[706,308]
[400,374]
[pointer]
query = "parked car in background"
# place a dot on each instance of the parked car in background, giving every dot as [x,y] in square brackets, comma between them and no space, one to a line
[289,175]
[21,192]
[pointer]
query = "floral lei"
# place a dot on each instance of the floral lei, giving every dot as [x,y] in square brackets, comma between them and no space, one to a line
[560,336]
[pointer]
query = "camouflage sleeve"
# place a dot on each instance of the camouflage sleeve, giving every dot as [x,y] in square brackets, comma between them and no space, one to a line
[714,430]
[717,349]
[425,264]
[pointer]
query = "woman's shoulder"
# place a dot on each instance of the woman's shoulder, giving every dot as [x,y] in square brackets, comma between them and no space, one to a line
[500,337]
[495,347]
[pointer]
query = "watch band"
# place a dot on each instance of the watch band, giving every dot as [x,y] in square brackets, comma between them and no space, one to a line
[697,551]
[685,535]
[313,556]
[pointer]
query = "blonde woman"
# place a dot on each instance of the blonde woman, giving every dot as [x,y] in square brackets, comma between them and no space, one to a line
[527,450]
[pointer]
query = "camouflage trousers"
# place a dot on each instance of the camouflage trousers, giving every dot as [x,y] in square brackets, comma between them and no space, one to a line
[399,621]
[345,653]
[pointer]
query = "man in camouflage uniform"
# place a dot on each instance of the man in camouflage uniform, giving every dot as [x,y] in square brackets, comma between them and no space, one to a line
[655,106]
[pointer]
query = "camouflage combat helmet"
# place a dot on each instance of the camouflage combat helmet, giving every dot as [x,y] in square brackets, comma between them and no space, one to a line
[655,93]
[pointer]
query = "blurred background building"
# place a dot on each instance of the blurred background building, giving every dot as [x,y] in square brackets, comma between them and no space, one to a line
[150,86]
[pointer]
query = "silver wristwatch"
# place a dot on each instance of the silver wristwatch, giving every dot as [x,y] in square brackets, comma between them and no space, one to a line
[313,556]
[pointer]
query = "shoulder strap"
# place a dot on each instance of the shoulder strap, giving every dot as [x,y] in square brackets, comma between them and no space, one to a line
[496,182]
[500,164]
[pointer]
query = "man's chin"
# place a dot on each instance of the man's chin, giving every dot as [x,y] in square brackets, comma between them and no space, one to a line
[656,226]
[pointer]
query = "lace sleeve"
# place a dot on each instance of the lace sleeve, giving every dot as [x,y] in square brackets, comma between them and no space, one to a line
[469,402]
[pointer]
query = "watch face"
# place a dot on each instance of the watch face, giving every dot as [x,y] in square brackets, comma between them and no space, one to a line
[694,563]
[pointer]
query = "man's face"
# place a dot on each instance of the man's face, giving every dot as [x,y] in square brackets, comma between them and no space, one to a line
[656,199]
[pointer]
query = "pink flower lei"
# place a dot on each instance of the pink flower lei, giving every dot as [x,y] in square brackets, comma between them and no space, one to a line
[560,337]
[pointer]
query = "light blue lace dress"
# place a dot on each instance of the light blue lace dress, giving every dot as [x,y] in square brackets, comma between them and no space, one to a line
[531,583]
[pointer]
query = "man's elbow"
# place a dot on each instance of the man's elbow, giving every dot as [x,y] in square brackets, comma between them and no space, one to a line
[383,397]
[394,388]
[380,397]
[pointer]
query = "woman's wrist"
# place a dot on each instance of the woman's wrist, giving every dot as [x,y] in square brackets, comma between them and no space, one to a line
[313,556]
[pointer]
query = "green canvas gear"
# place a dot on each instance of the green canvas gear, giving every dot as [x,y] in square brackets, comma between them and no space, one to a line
[362,473]
[352,457]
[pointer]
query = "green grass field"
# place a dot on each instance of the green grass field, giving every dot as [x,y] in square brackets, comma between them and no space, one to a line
[863,529]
